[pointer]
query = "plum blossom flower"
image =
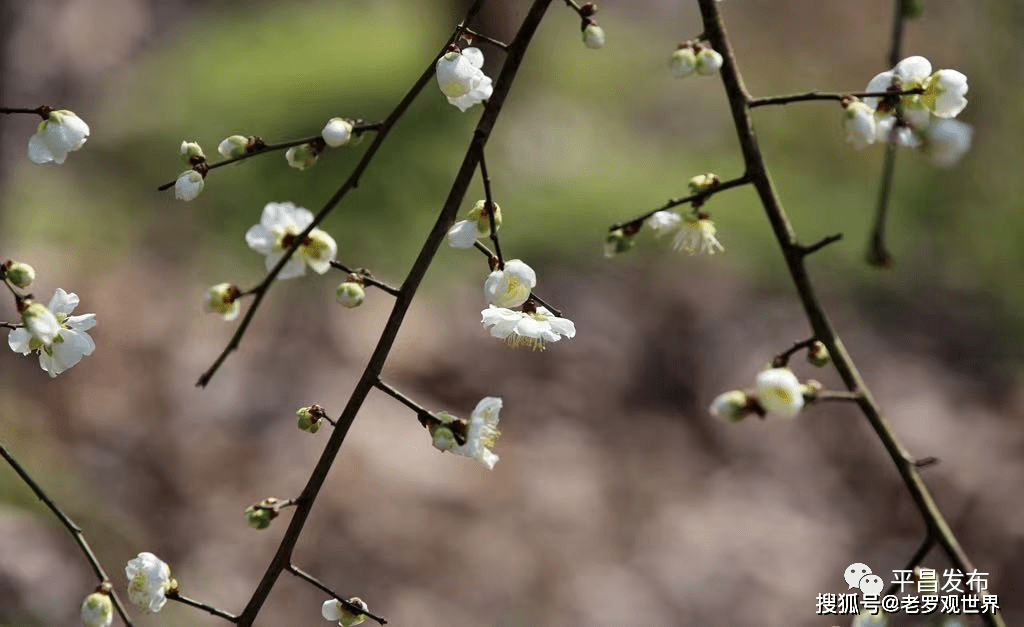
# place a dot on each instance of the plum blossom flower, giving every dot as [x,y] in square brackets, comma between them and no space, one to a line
[62,132]
[779,391]
[67,345]
[336,611]
[189,185]
[464,233]
[461,78]
[859,120]
[149,581]
[944,93]
[511,286]
[481,433]
[233,147]
[97,610]
[222,299]
[731,406]
[698,237]
[279,224]
[946,141]
[534,329]
[337,132]
[662,222]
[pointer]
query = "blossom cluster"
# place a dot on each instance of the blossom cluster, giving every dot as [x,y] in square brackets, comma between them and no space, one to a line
[922,119]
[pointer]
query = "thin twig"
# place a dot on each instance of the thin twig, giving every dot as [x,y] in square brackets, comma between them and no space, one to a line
[699,197]
[72,528]
[540,301]
[10,325]
[823,242]
[261,148]
[371,374]
[915,560]
[837,395]
[352,607]
[475,35]
[822,327]
[419,410]
[365,277]
[180,598]
[837,96]
[43,111]
[782,358]
[489,208]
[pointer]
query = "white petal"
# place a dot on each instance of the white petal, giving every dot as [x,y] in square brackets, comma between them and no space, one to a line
[260,239]
[83,322]
[462,234]
[879,83]
[912,68]
[38,151]
[331,610]
[18,340]
[564,326]
[63,302]
[474,56]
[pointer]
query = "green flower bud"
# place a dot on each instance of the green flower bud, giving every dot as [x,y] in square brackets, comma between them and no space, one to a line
[818,355]
[350,294]
[309,418]
[810,389]
[302,156]
[618,242]
[19,274]
[259,517]
[97,610]
[732,406]
[233,147]
[593,36]
[483,218]
[192,153]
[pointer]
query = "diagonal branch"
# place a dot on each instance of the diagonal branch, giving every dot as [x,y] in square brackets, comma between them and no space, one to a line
[282,557]
[935,522]
[698,198]
[72,528]
[838,97]
[316,583]
[174,595]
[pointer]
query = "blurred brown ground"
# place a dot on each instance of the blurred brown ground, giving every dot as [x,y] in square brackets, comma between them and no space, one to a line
[617,501]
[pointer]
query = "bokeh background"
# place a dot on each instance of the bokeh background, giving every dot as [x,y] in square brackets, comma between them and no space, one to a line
[618,500]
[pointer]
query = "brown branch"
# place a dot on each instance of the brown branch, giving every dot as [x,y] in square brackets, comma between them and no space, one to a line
[697,198]
[489,208]
[915,560]
[782,358]
[174,595]
[472,34]
[365,277]
[352,607]
[72,528]
[935,522]
[421,412]
[823,242]
[11,325]
[371,374]
[43,111]
[838,97]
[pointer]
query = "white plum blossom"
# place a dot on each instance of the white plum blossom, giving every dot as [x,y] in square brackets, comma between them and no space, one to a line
[149,581]
[859,121]
[481,433]
[189,185]
[222,299]
[279,224]
[732,406]
[521,328]
[67,346]
[708,62]
[97,610]
[336,611]
[662,222]
[62,132]
[337,132]
[593,36]
[683,62]
[904,134]
[697,236]
[461,78]
[511,286]
[944,93]
[779,392]
[191,150]
[233,147]
[910,73]
[462,234]
[946,141]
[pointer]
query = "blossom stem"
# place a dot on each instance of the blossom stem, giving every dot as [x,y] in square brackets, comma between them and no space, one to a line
[698,198]
[174,595]
[927,543]
[878,252]
[72,528]
[375,365]
[352,607]
[475,35]
[823,242]
[575,7]
[261,148]
[43,111]
[782,358]
[782,229]
[421,412]
[540,301]
[837,395]
[836,96]
[366,278]
[490,210]
[10,325]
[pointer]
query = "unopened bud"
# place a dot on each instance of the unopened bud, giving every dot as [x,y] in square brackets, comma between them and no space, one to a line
[618,242]
[302,156]
[310,417]
[704,182]
[350,294]
[818,355]
[337,132]
[482,217]
[192,153]
[708,62]
[593,36]
[732,406]
[189,185]
[259,516]
[97,610]
[233,147]
[683,62]
[19,274]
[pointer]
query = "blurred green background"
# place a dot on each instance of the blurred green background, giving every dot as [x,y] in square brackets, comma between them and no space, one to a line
[587,138]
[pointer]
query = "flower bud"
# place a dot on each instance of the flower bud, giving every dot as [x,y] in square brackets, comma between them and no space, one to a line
[40,322]
[683,62]
[483,218]
[704,182]
[309,418]
[350,294]
[233,147]
[97,610]
[442,437]
[192,153]
[259,516]
[617,242]
[708,62]
[189,185]
[593,36]
[222,299]
[731,406]
[60,133]
[302,156]
[810,389]
[19,274]
[334,610]
[337,132]
[817,355]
